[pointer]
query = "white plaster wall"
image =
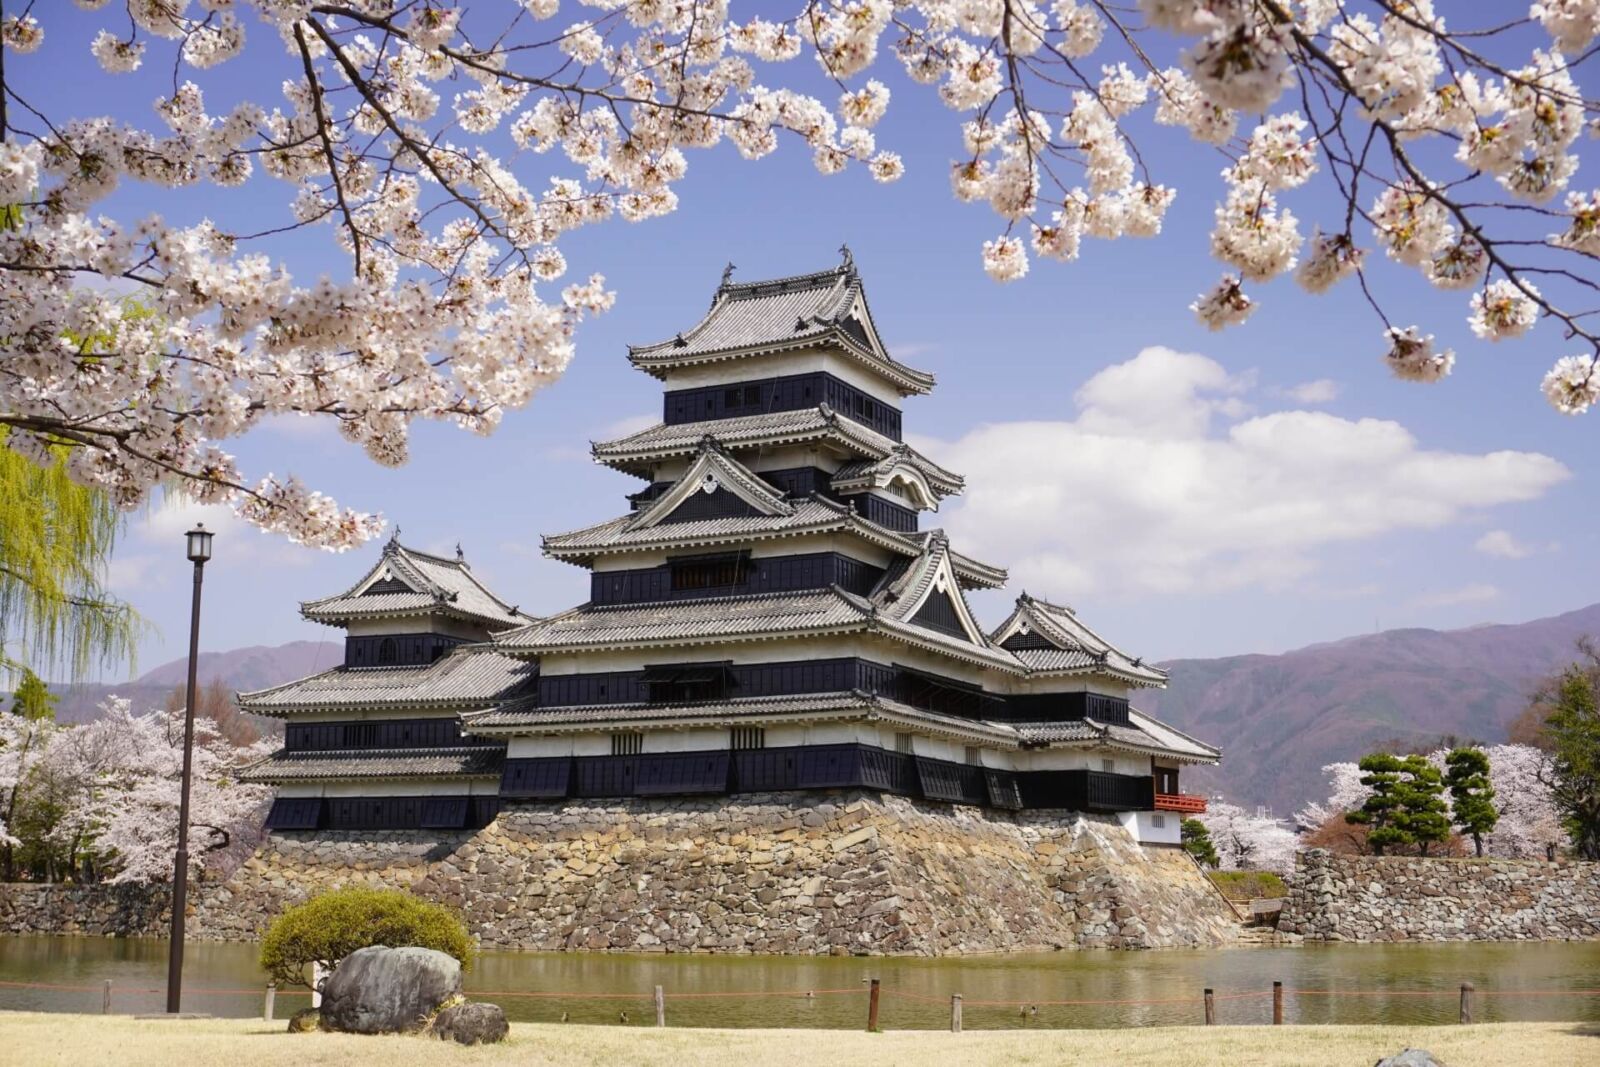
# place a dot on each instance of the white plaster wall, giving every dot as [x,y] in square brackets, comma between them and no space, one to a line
[392,788]
[416,624]
[379,714]
[1079,759]
[692,740]
[773,365]
[847,545]
[1153,827]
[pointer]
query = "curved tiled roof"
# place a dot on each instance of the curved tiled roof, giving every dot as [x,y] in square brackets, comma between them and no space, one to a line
[637,452]
[468,676]
[751,318]
[1073,646]
[462,761]
[405,581]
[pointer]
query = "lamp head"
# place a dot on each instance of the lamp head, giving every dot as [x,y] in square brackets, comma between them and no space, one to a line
[199,541]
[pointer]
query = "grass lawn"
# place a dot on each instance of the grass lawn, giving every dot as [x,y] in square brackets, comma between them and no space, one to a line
[41,1040]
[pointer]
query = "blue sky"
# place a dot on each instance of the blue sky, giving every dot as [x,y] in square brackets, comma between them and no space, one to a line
[1211,493]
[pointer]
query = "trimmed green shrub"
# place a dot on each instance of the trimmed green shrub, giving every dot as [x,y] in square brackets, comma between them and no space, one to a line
[327,928]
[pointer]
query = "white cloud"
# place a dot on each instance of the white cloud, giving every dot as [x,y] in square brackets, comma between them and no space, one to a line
[1501,544]
[1476,593]
[154,550]
[1320,391]
[1140,492]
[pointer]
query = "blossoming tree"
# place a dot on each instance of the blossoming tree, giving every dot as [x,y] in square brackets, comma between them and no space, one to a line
[406,128]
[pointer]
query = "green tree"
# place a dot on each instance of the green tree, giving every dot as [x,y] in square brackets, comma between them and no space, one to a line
[1381,776]
[327,928]
[1197,842]
[1471,796]
[1405,806]
[1572,730]
[33,699]
[54,611]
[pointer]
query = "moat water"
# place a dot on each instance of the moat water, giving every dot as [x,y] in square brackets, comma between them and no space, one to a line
[1390,983]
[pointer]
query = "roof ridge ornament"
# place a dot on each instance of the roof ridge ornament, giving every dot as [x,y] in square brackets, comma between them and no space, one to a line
[727,274]
[849,261]
[460,556]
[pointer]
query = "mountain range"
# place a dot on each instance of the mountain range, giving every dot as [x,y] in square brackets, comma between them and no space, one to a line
[1278,718]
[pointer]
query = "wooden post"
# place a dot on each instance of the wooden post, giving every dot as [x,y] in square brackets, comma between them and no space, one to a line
[1466,1002]
[272,996]
[872,1008]
[1211,1009]
[316,985]
[661,1007]
[1277,1003]
[955,1013]
[105,999]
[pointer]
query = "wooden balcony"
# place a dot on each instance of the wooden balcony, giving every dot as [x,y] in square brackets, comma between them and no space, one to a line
[1187,803]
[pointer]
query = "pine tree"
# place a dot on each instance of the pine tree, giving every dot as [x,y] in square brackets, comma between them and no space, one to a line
[1197,842]
[1573,732]
[33,699]
[1422,814]
[1380,776]
[1471,796]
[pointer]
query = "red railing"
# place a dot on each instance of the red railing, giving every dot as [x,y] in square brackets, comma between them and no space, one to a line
[1184,802]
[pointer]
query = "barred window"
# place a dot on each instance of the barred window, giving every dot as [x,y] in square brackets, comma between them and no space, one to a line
[974,756]
[627,744]
[388,651]
[1108,765]
[1158,821]
[902,744]
[748,737]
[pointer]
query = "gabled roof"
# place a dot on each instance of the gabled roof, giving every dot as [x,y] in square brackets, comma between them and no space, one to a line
[467,677]
[1144,735]
[712,471]
[802,311]
[811,515]
[405,582]
[639,453]
[905,591]
[903,465]
[482,760]
[1063,644]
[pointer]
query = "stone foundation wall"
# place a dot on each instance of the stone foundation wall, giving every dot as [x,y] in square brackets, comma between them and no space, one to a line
[846,874]
[90,910]
[1407,898]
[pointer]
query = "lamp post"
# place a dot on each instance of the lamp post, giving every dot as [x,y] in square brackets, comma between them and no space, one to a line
[199,550]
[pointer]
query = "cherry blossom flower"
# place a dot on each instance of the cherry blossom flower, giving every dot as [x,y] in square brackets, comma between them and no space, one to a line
[1411,356]
[1502,310]
[1573,385]
[1225,305]
[1004,259]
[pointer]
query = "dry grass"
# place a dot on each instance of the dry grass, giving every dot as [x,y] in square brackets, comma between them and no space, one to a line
[43,1040]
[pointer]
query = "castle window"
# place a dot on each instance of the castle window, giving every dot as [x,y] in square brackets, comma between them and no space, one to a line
[1109,766]
[749,737]
[710,572]
[730,397]
[974,756]
[388,651]
[752,395]
[627,744]
[1158,821]
[902,744]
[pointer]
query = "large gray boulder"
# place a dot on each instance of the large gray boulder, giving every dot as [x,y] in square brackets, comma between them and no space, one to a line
[381,990]
[471,1024]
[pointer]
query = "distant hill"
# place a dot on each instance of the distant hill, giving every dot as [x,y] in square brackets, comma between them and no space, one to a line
[255,667]
[1280,718]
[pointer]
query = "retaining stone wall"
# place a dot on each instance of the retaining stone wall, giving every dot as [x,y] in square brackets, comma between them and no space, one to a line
[1408,898]
[786,873]
[91,910]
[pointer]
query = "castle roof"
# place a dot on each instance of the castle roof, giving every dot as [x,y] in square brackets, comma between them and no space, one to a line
[826,308]
[481,760]
[639,453]
[469,676]
[407,582]
[1050,638]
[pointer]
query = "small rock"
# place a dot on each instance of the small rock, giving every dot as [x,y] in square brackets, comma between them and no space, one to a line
[305,1021]
[471,1024]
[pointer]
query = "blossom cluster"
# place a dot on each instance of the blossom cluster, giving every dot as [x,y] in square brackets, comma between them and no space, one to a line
[450,147]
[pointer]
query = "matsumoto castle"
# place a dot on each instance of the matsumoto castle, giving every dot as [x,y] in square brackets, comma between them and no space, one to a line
[769,615]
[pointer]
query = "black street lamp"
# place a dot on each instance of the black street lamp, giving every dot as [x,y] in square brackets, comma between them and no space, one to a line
[199,545]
